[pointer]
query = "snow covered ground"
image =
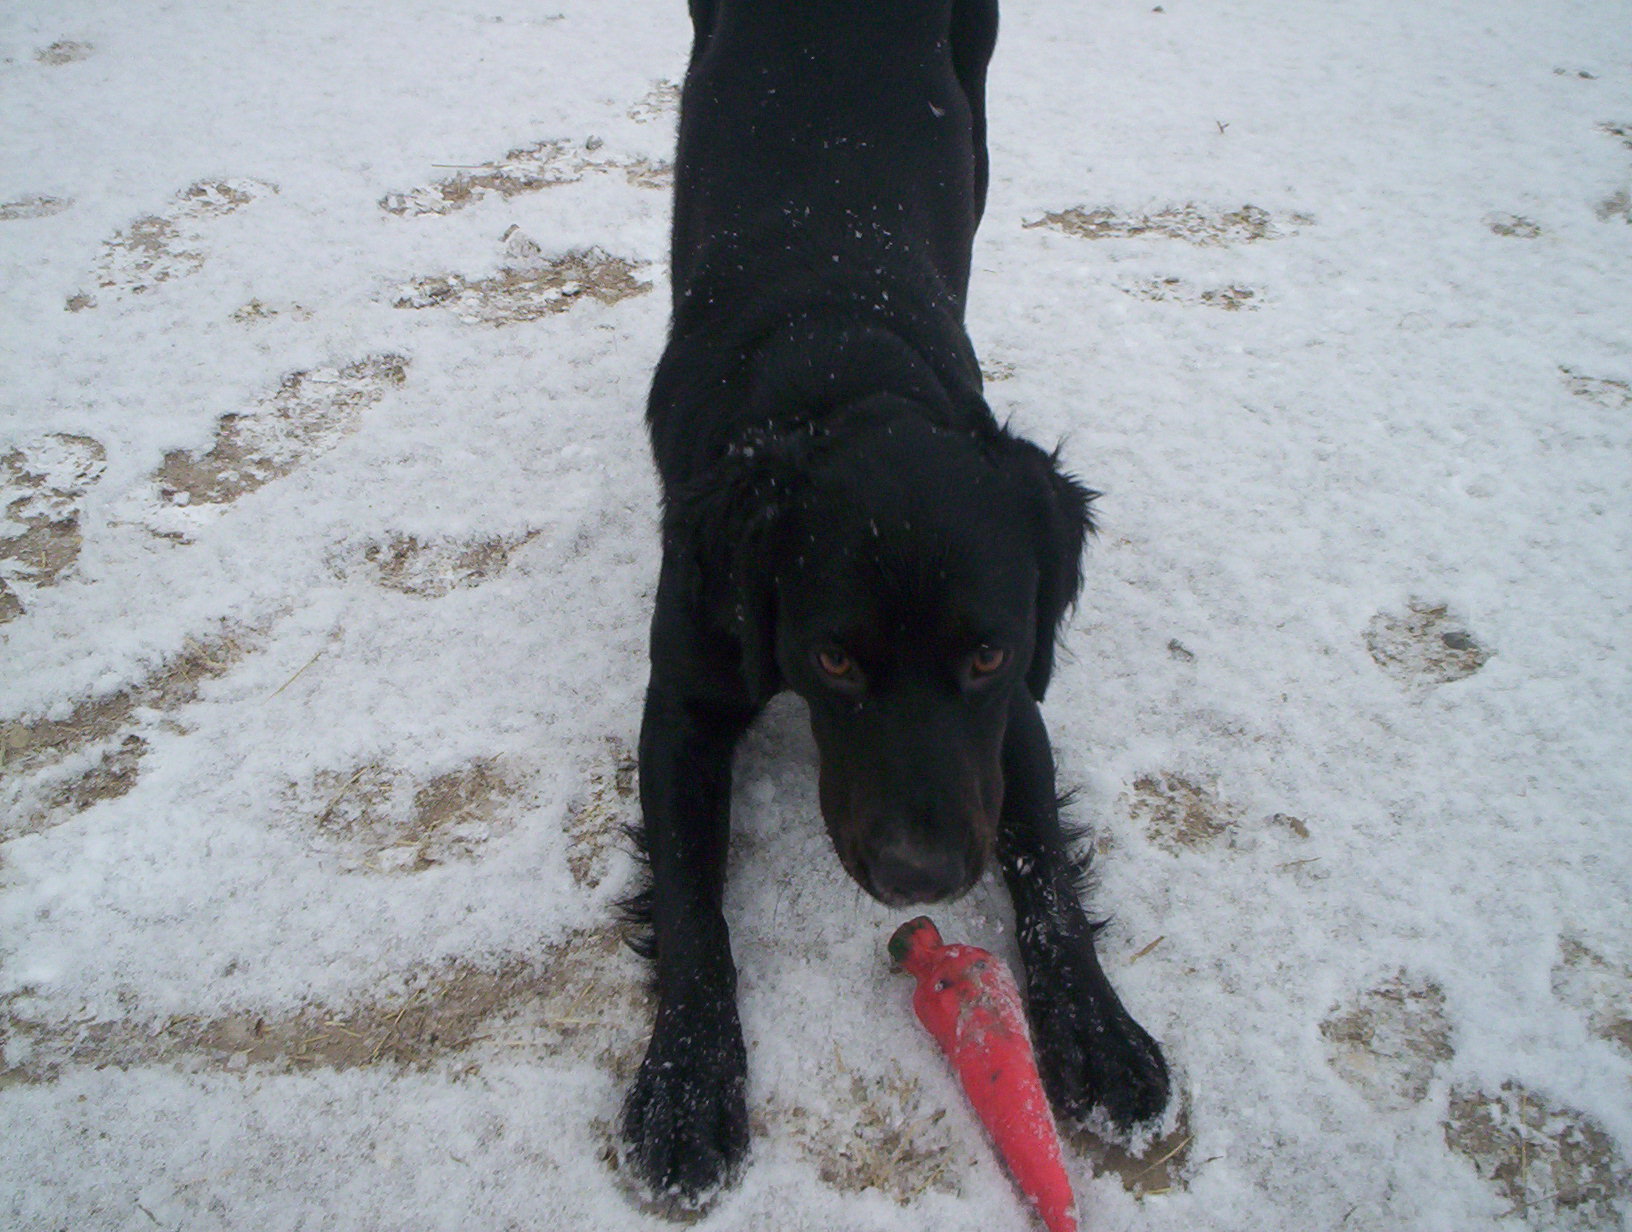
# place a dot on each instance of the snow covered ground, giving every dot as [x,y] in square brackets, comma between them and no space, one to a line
[327,536]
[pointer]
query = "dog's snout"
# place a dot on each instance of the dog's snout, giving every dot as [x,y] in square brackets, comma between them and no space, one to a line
[905,870]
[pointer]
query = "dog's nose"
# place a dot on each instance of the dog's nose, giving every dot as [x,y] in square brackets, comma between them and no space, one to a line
[903,871]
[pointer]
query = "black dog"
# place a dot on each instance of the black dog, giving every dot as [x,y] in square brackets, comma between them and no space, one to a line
[844,517]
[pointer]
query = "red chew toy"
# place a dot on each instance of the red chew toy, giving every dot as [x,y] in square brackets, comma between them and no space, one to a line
[969,1002]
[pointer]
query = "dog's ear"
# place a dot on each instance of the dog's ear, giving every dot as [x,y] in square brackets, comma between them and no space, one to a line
[723,531]
[1062,520]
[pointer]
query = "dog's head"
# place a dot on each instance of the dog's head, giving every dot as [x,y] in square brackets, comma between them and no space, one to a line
[905,580]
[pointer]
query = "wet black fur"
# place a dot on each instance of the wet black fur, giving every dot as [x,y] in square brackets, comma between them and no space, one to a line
[831,470]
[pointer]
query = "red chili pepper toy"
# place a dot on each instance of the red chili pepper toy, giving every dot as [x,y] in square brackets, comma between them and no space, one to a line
[969,1002]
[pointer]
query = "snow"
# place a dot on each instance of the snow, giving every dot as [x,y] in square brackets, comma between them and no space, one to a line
[323,746]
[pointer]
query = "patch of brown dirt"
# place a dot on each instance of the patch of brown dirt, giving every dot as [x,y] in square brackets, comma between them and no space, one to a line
[1195,224]
[1178,813]
[1610,394]
[879,1134]
[1514,226]
[27,744]
[64,51]
[41,486]
[1160,1167]
[596,821]
[1598,988]
[158,248]
[432,570]
[377,819]
[528,292]
[32,207]
[1425,646]
[1557,1167]
[580,996]
[526,169]
[1178,291]
[1388,1041]
[309,413]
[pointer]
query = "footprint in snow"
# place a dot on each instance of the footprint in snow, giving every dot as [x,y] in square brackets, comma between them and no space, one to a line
[159,248]
[309,413]
[1204,226]
[64,51]
[431,569]
[526,169]
[377,819]
[1425,645]
[528,287]
[41,487]
[58,768]
[1232,298]
[1178,813]
[1554,1165]
[37,206]
[1389,1041]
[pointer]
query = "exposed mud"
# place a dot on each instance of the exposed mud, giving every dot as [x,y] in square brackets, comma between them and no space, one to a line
[529,291]
[376,819]
[1555,1165]
[41,486]
[526,169]
[597,821]
[1204,226]
[159,248]
[309,413]
[1389,1041]
[579,997]
[1178,813]
[1178,291]
[1425,645]
[1162,1166]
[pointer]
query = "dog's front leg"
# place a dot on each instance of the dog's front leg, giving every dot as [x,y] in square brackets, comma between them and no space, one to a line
[686,1118]
[1089,1049]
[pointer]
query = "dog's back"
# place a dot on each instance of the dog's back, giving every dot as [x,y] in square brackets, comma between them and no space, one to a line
[839,126]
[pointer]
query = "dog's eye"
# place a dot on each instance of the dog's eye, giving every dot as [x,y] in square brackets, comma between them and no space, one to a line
[987,660]
[836,663]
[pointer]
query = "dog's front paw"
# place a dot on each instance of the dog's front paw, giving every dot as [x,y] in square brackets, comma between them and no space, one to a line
[1090,1051]
[686,1118]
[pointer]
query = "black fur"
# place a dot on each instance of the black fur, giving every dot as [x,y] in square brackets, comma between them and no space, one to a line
[844,517]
